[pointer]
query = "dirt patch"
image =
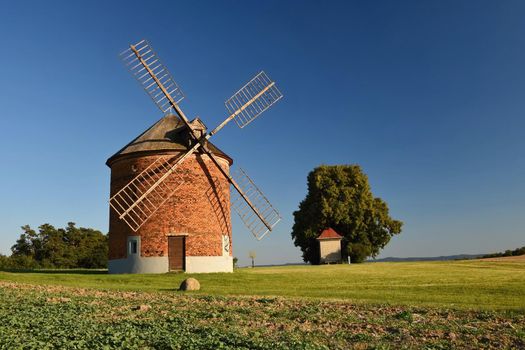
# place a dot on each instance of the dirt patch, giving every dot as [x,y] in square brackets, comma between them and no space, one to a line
[86,318]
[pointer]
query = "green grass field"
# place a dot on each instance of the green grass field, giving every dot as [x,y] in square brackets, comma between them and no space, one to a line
[471,284]
[430,305]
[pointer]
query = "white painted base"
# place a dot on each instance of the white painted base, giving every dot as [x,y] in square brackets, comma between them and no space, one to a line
[194,264]
[207,264]
[137,264]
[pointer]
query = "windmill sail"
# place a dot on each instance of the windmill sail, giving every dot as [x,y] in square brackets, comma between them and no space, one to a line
[260,217]
[136,202]
[139,199]
[149,71]
[252,99]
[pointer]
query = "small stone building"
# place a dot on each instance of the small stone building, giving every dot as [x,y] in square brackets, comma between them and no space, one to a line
[191,231]
[329,246]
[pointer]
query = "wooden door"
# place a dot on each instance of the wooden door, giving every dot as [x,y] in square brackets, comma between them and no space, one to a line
[176,253]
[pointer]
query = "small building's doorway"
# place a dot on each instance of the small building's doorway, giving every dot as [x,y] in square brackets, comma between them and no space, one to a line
[177,253]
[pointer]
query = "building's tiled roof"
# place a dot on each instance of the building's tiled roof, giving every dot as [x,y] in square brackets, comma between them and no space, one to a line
[329,233]
[168,134]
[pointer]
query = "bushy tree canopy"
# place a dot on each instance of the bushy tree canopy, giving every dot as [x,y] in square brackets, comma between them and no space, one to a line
[50,247]
[340,197]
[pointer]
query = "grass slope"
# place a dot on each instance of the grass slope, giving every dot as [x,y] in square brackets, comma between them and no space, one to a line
[472,284]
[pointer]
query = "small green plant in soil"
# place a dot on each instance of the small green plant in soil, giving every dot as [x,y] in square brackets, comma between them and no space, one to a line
[47,317]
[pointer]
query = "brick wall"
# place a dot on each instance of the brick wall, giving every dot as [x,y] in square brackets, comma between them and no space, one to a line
[199,208]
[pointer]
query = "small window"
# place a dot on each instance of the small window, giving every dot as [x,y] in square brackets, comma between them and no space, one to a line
[133,246]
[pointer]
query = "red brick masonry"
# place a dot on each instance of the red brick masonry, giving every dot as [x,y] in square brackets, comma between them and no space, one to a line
[200,208]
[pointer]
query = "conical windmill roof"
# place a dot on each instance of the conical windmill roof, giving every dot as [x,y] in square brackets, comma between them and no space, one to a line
[167,134]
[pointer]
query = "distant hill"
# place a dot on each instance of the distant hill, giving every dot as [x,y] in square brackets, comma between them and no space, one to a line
[395,259]
[275,265]
[515,252]
[433,258]
[508,252]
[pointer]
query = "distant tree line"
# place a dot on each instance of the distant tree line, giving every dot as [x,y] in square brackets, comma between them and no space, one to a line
[63,248]
[508,252]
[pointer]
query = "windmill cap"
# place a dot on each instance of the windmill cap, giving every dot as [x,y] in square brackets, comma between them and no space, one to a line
[167,134]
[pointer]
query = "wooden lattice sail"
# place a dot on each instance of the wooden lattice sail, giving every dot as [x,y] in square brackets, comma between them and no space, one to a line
[139,199]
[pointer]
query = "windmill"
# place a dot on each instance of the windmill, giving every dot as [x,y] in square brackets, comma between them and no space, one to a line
[138,200]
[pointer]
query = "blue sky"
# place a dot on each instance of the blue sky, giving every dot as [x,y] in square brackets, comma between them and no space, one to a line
[427,96]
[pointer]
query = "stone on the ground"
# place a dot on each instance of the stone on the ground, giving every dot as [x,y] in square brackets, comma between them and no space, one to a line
[190,284]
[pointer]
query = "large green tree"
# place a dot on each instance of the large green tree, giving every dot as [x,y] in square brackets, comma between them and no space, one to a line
[69,247]
[340,197]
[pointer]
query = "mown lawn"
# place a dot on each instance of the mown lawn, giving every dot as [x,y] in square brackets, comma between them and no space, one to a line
[471,284]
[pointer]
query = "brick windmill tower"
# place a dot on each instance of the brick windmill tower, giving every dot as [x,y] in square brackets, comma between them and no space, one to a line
[170,187]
